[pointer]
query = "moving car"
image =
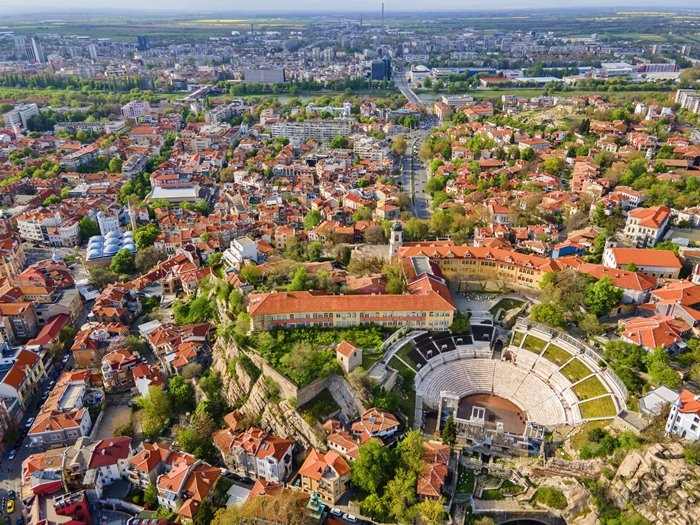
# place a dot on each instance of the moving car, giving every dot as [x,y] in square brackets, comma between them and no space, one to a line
[29,423]
[10,507]
[12,455]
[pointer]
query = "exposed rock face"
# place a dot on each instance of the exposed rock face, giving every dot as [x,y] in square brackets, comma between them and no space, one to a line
[276,416]
[659,484]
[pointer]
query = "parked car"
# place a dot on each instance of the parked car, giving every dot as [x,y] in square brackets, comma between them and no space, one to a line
[350,518]
[7,520]
[336,512]
[29,423]
[20,520]
[12,455]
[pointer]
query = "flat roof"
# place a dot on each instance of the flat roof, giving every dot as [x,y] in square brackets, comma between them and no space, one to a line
[69,399]
[188,192]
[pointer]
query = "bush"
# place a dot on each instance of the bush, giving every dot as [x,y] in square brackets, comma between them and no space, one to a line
[126,430]
[550,497]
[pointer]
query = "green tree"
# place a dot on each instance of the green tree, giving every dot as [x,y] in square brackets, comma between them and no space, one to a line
[527,154]
[123,262]
[410,451]
[312,219]
[548,313]
[431,511]
[145,236]
[88,228]
[660,371]
[363,213]
[148,257]
[602,295]
[400,496]
[449,431]
[314,251]
[150,496]
[181,394]
[101,277]
[250,274]
[399,146]
[115,165]
[157,411]
[374,467]
[553,164]
[300,281]
[460,323]
[339,142]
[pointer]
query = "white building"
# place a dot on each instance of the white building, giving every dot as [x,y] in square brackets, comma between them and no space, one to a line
[323,130]
[19,116]
[240,250]
[107,223]
[42,226]
[136,108]
[684,418]
[646,226]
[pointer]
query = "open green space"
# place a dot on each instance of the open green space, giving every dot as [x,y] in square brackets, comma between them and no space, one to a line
[404,352]
[369,357]
[465,480]
[534,344]
[591,387]
[399,366]
[576,370]
[517,338]
[581,438]
[306,354]
[319,408]
[602,407]
[557,355]
[506,304]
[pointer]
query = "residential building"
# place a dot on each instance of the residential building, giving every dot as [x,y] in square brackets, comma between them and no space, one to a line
[646,226]
[18,321]
[659,263]
[254,453]
[91,344]
[654,332]
[431,481]
[145,377]
[135,109]
[18,118]
[375,423]
[108,463]
[20,375]
[427,305]
[117,369]
[326,474]
[684,417]
[185,484]
[241,249]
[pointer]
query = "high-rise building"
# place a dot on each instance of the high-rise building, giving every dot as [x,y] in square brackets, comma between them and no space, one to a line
[378,70]
[35,53]
[387,67]
[142,43]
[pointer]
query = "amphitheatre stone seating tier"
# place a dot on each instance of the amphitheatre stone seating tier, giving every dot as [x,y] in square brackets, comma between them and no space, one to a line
[483,376]
[524,358]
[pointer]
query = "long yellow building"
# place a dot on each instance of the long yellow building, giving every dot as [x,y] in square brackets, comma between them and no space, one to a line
[427,305]
[469,262]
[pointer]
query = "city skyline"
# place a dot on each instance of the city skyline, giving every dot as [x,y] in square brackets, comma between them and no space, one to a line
[369,6]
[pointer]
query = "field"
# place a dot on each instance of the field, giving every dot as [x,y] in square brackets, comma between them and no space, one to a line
[591,387]
[603,407]
[557,355]
[534,344]
[575,371]
[517,337]
[506,304]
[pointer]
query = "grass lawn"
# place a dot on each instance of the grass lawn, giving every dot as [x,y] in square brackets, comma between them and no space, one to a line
[403,353]
[408,405]
[580,439]
[591,387]
[603,407]
[396,364]
[492,495]
[517,337]
[368,359]
[465,481]
[534,344]
[576,370]
[557,355]
[506,304]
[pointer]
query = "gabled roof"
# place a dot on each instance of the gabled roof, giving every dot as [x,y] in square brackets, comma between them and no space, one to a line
[690,403]
[110,451]
[645,257]
[317,463]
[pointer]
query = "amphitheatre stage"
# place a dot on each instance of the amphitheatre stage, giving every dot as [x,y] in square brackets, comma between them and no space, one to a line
[497,409]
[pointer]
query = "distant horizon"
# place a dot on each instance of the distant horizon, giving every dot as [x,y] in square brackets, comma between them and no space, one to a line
[309,7]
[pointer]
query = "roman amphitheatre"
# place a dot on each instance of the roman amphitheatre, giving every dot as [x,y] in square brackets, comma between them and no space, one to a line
[512,390]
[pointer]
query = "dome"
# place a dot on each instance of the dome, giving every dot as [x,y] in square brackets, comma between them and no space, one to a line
[112,235]
[110,250]
[128,235]
[94,254]
[96,238]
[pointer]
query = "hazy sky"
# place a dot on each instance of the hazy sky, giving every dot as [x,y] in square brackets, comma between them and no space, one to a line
[35,7]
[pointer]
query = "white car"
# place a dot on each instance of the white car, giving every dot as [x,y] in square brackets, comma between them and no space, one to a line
[12,455]
[336,512]
[29,423]
[350,518]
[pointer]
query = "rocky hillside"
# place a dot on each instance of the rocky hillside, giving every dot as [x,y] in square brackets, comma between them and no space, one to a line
[659,484]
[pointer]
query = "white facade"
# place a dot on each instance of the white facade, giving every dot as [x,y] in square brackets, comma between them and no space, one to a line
[19,116]
[684,424]
[240,250]
[107,223]
[136,108]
